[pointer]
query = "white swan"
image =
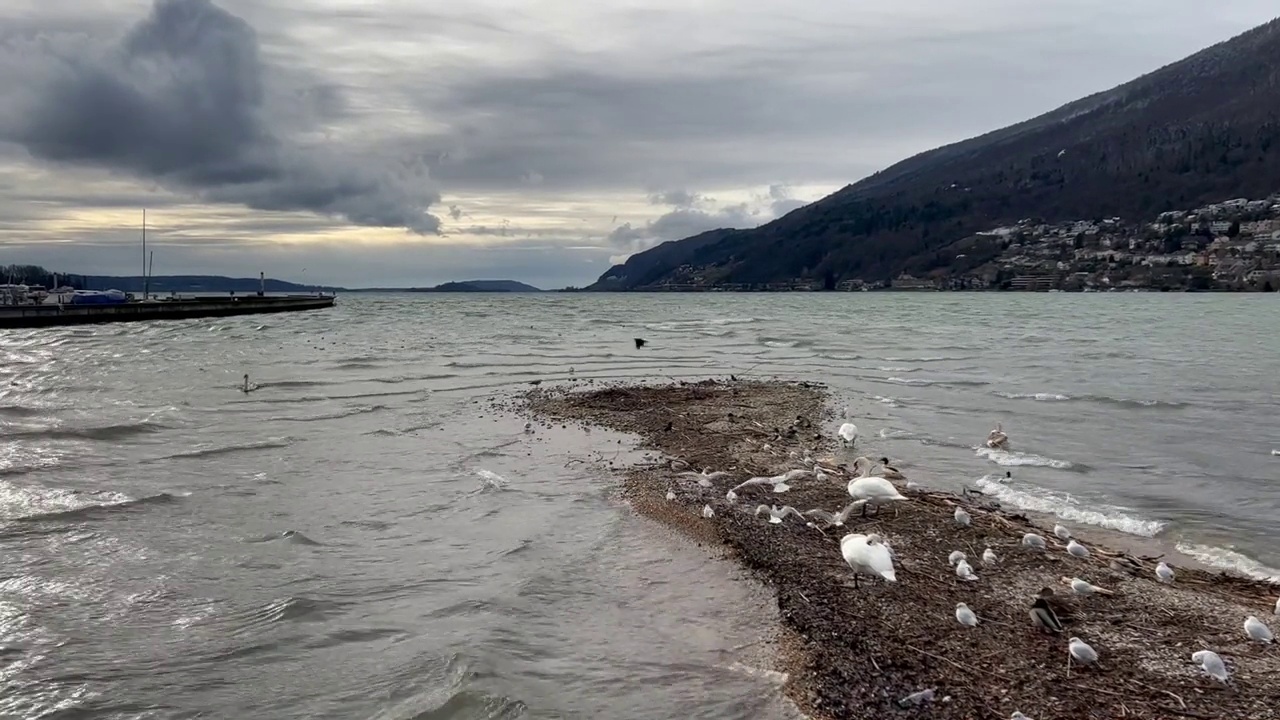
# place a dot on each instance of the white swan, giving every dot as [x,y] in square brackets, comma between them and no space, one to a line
[778,514]
[867,555]
[848,434]
[873,491]
[864,467]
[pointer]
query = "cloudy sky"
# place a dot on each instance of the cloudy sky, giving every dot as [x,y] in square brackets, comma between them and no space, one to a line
[410,142]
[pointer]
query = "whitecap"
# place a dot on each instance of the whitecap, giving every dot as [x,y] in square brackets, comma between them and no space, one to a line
[1066,507]
[1228,559]
[909,381]
[891,402]
[1012,458]
[1042,397]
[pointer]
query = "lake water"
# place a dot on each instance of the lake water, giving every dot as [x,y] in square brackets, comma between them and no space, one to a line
[328,547]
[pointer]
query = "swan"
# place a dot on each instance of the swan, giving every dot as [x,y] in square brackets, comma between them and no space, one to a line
[848,434]
[778,514]
[867,555]
[705,477]
[873,491]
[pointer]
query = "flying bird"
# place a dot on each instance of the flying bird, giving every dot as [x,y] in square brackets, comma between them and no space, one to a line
[639,343]
[778,514]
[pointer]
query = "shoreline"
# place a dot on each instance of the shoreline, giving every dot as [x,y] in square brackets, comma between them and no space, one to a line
[854,653]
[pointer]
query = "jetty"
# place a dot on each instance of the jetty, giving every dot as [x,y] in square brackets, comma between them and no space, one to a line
[48,314]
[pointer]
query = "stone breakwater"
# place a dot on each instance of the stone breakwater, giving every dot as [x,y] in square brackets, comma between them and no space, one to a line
[857,653]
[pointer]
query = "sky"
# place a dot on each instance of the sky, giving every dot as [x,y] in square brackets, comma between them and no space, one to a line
[398,143]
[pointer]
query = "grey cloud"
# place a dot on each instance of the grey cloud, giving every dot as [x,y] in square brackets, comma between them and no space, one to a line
[678,198]
[183,99]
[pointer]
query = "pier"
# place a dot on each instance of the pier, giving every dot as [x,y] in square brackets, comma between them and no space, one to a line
[55,315]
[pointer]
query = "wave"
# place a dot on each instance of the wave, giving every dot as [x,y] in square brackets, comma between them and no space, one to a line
[919,382]
[679,325]
[1012,458]
[84,505]
[1042,397]
[119,431]
[1066,507]
[291,536]
[490,480]
[226,449]
[1134,402]
[891,402]
[351,412]
[898,368]
[928,358]
[1228,559]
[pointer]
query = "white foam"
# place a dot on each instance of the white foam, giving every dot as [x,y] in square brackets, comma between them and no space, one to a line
[781,343]
[909,381]
[490,480]
[1229,559]
[896,368]
[1042,397]
[1010,458]
[1067,507]
[887,401]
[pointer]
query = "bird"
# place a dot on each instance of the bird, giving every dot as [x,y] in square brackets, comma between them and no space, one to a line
[1125,564]
[1043,616]
[874,491]
[839,518]
[962,517]
[707,512]
[1062,532]
[917,698]
[1277,606]
[1033,541]
[997,439]
[778,514]
[890,471]
[955,557]
[639,343]
[671,495]
[989,557]
[964,571]
[779,482]
[1083,588]
[1254,628]
[1075,549]
[1062,607]
[966,616]
[705,477]
[867,555]
[1018,716]
[1212,664]
[1164,572]
[1081,652]
[848,434]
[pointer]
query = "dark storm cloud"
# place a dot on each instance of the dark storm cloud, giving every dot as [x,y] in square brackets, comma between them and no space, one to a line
[182,99]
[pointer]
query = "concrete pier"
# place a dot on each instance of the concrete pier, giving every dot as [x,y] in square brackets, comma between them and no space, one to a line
[52,315]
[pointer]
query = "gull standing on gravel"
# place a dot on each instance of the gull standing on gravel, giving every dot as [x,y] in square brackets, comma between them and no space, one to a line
[848,434]
[671,495]
[1034,541]
[1062,532]
[1081,652]
[962,518]
[707,512]
[917,698]
[964,571]
[1277,606]
[1018,716]
[1212,664]
[778,514]
[839,518]
[1075,549]
[1164,572]
[1256,631]
[966,616]
[989,557]
[867,555]
[705,477]
[955,557]
[1083,588]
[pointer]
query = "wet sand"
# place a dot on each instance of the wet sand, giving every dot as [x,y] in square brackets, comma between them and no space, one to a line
[856,652]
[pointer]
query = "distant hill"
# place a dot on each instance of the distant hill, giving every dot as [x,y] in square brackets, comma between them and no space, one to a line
[163,284]
[1193,132]
[504,286]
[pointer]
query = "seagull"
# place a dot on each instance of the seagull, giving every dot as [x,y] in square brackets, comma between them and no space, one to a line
[955,557]
[1254,628]
[779,482]
[1018,716]
[989,557]
[1212,664]
[875,491]
[705,477]
[966,616]
[1164,572]
[671,495]
[1043,616]
[912,485]
[844,413]
[965,572]
[1083,588]
[707,512]
[839,518]
[1081,652]
[1278,606]
[778,514]
[1077,550]
[1062,532]
[1033,541]
[916,698]
[962,517]
[867,555]
[848,434]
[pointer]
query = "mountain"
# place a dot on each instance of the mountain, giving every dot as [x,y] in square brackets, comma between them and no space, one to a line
[1204,129]
[504,286]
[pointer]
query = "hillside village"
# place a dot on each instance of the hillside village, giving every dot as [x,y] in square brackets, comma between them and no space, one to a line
[1232,245]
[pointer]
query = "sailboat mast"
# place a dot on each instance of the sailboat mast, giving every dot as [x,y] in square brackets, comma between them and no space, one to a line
[144,253]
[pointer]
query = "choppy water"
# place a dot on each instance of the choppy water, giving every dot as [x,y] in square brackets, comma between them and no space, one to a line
[328,547]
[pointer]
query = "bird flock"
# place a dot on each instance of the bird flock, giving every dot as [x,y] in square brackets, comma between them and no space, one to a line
[868,555]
